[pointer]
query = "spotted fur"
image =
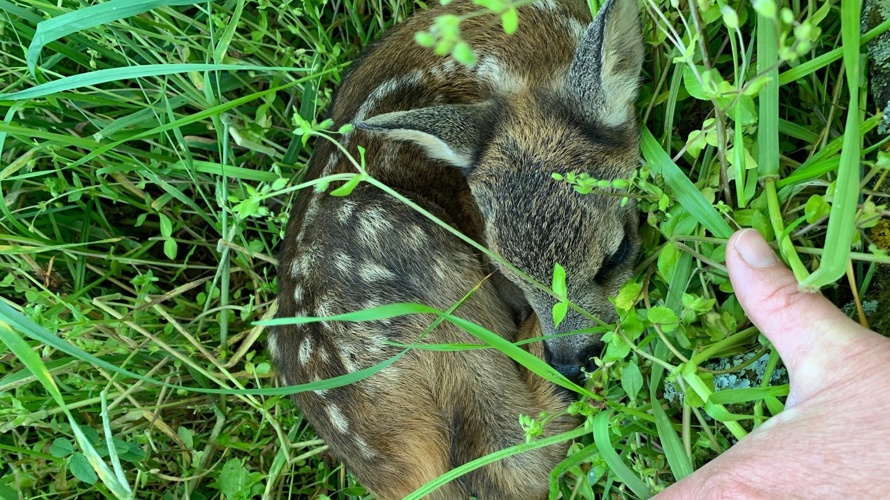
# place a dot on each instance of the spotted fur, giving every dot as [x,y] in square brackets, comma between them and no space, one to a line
[475,147]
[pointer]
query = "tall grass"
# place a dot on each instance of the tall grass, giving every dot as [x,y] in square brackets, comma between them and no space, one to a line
[147,162]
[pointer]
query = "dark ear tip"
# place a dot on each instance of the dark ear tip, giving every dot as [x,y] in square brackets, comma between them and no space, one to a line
[368,127]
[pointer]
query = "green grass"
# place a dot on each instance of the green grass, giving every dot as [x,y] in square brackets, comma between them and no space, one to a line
[147,160]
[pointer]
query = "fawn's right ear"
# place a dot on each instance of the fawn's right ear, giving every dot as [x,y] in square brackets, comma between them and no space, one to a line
[454,133]
[605,73]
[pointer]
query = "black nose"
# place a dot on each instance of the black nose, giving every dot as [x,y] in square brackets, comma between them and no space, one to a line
[571,372]
[571,368]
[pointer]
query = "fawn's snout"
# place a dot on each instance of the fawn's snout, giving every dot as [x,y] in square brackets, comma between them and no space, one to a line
[575,364]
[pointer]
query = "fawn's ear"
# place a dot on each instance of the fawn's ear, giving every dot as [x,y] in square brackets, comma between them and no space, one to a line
[605,73]
[454,133]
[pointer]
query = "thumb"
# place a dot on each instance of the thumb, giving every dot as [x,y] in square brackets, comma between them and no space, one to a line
[806,329]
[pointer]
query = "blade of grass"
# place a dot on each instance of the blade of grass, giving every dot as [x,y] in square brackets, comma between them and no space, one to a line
[51,30]
[838,237]
[130,72]
[768,136]
[602,438]
[684,190]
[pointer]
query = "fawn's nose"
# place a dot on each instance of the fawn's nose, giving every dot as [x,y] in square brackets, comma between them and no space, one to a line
[571,372]
[571,367]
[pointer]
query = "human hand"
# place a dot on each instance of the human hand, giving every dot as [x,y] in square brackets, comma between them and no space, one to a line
[833,438]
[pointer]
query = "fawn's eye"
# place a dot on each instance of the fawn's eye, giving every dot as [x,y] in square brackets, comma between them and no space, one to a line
[613,261]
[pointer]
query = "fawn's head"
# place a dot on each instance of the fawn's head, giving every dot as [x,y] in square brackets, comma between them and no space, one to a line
[510,145]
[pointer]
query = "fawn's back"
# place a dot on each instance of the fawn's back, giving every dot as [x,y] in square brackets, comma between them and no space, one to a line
[475,147]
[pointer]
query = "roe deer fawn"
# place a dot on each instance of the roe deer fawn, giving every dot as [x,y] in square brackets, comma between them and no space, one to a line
[476,147]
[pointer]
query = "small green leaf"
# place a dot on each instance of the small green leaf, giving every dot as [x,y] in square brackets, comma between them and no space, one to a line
[61,448]
[235,481]
[510,21]
[816,208]
[347,187]
[425,39]
[464,54]
[559,281]
[628,295]
[559,312]
[632,380]
[185,434]
[663,316]
[667,260]
[81,469]
[617,349]
[166,226]
[632,327]
[170,248]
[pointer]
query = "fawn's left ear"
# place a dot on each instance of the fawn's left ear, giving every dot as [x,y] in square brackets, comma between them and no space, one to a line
[605,73]
[454,133]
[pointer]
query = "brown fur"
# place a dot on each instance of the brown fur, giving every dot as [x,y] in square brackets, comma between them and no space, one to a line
[475,147]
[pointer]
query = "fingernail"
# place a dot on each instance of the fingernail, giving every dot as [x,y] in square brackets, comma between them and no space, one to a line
[754,250]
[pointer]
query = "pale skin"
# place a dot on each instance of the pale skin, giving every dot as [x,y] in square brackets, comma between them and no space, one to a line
[833,439]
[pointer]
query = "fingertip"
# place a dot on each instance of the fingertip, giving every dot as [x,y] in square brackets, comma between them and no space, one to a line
[753,249]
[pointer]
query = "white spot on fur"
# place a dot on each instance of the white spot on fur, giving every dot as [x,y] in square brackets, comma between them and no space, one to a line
[492,70]
[372,272]
[364,448]
[415,236]
[298,293]
[305,350]
[296,268]
[371,226]
[338,420]
[344,213]
[306,260]
[548,5]
[272,346]
[343,263]
[441,268]
[323,310]
[346,353]
[332,162]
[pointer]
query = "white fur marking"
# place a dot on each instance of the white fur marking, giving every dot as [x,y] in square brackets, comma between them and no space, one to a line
[416,237]
[298,293]
[372,272]
[305,350]
[492,70]
[272,346]
[337,418]
[296,268]
[364,448]
[344,213]
[332,162]
[343,263]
